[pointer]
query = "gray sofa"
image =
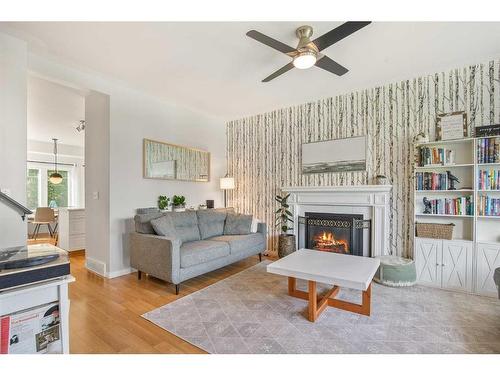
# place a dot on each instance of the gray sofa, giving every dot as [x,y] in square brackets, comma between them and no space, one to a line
[193,243]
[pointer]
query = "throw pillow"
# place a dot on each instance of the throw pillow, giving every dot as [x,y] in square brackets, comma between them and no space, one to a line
[163,226]
[255,225]
[211,222]
[143,221]
[238,224]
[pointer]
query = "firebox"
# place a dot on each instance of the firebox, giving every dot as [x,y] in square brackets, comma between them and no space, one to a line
[337,233]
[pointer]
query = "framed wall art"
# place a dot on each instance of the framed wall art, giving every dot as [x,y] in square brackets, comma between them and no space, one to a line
[336,155]
[451,126]
[167,161]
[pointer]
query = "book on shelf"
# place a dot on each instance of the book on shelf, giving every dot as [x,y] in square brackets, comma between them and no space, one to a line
[452,206]
[488,179]
[435,156]
[488,150]
[432,181]
[488,206]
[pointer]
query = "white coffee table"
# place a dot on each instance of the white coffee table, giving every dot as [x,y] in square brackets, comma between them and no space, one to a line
[339,270]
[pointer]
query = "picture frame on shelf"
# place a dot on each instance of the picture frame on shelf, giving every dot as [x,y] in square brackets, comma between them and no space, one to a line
[487,130]
[450,126]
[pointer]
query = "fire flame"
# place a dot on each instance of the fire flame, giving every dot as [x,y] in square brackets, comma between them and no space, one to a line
[327,241]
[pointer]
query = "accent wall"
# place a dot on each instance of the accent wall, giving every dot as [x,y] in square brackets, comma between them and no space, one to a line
[264,151]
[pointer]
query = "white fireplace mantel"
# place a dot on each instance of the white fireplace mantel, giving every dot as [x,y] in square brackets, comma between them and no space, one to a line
[370,200]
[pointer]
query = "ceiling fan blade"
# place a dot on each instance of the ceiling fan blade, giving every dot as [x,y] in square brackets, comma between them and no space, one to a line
[268,41]
[331,66]
[279,72]
[339,33]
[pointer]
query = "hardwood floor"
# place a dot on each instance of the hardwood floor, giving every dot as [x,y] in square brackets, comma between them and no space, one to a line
[105,314]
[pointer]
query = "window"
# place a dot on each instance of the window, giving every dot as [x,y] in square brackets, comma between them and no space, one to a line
[57,193]
[33,188]
[40,192]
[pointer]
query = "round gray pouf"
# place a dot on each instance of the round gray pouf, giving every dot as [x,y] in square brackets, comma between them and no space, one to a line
[396,271]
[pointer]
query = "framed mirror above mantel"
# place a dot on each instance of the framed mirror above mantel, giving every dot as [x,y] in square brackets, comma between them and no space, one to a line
[168,161]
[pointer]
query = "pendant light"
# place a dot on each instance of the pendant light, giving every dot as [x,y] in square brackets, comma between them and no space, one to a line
[55,177]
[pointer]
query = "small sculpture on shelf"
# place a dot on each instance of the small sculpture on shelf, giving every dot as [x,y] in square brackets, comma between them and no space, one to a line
[427,206]
[421,138]
[452,180]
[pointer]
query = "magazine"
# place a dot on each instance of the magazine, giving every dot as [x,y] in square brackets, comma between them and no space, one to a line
[37,330]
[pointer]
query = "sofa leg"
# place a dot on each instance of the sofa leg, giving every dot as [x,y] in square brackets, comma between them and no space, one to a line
[177,287]
[139,275]
[260,257]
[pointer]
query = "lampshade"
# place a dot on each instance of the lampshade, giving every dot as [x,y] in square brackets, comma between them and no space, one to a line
[55,178]
[227,183]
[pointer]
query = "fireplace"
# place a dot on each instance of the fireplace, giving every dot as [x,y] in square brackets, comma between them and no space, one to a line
[336,233]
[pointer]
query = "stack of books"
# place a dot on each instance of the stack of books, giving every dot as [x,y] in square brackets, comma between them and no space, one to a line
[488,150]
[452,206]
[432,181]
[488,206]
[488,179]
[435,155]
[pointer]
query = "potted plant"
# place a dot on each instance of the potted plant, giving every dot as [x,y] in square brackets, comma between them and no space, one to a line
[163,202]
[286,241]
[179,203]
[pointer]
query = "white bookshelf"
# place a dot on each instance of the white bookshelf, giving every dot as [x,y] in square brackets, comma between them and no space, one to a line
[465,262]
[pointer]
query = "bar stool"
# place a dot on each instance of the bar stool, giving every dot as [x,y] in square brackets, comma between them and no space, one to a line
[43,216]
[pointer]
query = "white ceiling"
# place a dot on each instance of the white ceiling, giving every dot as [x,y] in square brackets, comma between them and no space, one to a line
[54,111]
[215,68]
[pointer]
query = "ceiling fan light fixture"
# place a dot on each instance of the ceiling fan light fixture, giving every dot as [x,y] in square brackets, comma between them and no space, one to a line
[304,60]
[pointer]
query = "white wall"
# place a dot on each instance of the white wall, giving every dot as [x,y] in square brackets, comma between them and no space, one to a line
[134,116]
[13,73]
[97,207]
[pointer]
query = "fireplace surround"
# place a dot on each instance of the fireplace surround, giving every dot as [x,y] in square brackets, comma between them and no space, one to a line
[370,201]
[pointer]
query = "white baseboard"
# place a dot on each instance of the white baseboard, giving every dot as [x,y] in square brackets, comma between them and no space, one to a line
[99,268]
[95,266]
[125,271]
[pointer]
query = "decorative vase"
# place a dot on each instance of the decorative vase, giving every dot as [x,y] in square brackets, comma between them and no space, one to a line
[286,245]
[180,208]
[381,180]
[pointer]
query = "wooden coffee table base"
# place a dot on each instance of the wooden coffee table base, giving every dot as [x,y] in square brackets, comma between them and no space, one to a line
[317,305]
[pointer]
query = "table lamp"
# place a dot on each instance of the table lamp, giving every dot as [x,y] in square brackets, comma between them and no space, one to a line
[226,183]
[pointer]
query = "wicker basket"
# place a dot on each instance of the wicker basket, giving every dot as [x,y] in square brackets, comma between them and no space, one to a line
[433,230]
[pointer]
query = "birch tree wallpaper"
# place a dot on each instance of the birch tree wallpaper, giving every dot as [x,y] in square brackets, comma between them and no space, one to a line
[263,151]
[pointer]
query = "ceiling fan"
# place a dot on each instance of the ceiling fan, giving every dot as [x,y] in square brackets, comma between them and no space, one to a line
[308,51]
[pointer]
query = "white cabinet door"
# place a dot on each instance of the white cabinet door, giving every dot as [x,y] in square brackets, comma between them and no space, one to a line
[457,265]
[488,259]
[428,261]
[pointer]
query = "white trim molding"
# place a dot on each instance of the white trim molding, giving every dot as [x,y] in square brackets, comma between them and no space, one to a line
[370,200]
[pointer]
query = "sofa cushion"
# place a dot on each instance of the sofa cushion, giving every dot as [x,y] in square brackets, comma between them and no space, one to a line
[243,242]
[198,252]
[163,226]
[143,222]
[211,222]
[146,210]
[186,225]
[238,224]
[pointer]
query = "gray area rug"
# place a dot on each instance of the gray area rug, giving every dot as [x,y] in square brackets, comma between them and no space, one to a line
[250,312]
